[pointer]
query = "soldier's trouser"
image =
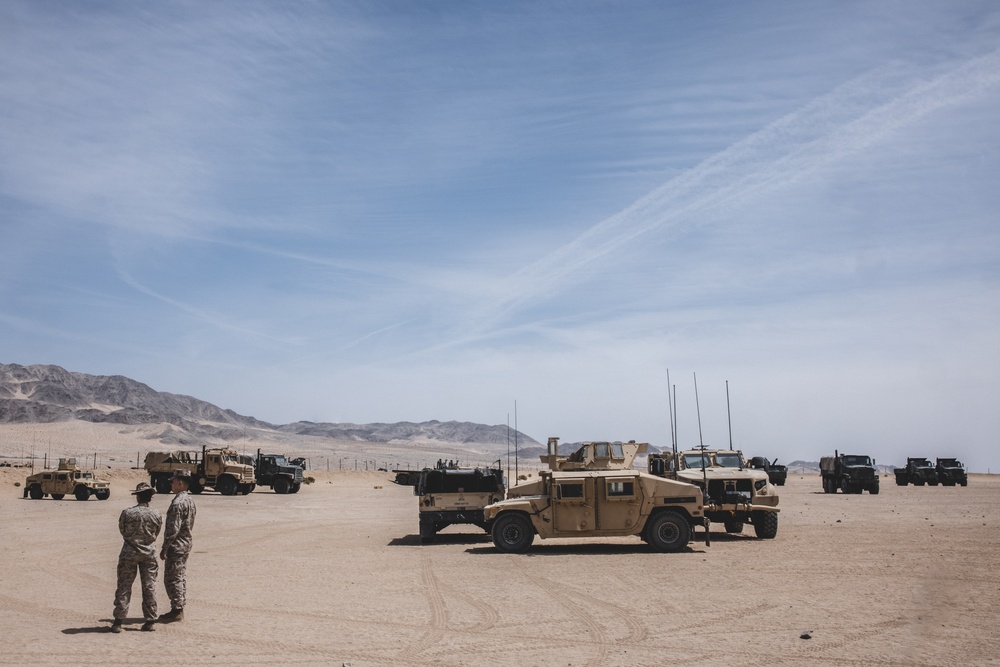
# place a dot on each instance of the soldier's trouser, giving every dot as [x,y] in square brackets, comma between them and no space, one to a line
[174,578]
[147,569]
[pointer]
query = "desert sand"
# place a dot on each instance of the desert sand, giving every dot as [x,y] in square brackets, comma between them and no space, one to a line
[335,575]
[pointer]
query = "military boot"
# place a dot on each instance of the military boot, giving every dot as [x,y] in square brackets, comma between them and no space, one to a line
[171,616]
[148,626]
[116,626]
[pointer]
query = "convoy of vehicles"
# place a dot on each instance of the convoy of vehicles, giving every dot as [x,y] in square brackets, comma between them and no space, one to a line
[220,469]
[595,492]
[918,471]
[66,479]
[735,494]
[851,473]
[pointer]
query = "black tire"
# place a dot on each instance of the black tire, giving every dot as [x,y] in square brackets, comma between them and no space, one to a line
[900,482]
[965,482]
[196,488]
[245,489]
[295,487]
[58,496]
[35,492]
[765,524]
[918,482]
[733,526]
[162,484]
[780,483]
[668,531]
[427,531]
[82,493]
[103,494]
[829,485]
[873,490]
[934,483]
[281,485]
[845,485]
[513,533]
[227,486]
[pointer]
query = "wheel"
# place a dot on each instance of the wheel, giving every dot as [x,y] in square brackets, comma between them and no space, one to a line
[845,486]
[733,526]
[161,484]
[873,490]
[668,531]
[964,482]
[765,524]
[58,496]
[36,492]
[196,488]
[900,482]
[227,486]
[918,482]
[82,493]
[281,485]
[513,533]
[427,531]
[295,488]
[103,494]
[829,486]
[934,483]
[780,482]
[245,489]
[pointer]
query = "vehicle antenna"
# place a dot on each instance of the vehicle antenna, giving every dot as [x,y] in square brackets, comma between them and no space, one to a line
[729,416]
[701,443]
[508,446]
[515,440]
[670,409]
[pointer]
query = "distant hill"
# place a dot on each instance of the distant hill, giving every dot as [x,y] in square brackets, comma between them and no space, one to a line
[45,394]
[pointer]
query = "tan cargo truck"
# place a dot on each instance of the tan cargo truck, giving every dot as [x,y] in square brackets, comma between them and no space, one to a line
[219,469]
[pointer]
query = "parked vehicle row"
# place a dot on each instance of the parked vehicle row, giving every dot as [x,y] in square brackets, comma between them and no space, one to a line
[920,471]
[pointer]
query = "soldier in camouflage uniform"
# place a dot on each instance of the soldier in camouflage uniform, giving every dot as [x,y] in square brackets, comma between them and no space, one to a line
[177,545]
[139,526]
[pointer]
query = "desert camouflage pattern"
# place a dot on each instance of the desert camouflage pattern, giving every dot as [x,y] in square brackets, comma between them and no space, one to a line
[177,542]
[139,527]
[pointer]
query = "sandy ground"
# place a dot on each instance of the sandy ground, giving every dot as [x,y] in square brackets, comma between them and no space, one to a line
[335,575]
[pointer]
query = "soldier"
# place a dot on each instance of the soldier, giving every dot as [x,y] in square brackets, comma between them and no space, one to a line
[177,545]
[139,526]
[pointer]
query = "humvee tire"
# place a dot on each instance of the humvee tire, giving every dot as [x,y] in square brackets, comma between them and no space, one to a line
[103,494]
[163,485]
[668,531]
[58,496]
[765,524]
[513,533]
[873,491]
[82,493]
[36,492]
[733,526]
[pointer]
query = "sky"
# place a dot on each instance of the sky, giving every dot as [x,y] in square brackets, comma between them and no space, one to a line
[548,214]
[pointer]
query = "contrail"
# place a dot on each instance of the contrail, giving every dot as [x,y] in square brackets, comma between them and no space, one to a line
[845,121]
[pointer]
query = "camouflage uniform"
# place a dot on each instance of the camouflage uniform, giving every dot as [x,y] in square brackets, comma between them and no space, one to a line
[176,547]
[139,526]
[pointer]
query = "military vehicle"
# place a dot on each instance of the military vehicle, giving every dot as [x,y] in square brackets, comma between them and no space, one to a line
[65,479]
[449,494]
[951,471]
[595,492]
[219,469]
[776,473]
[851,473]
[918,471]
[275,471]
[735,494]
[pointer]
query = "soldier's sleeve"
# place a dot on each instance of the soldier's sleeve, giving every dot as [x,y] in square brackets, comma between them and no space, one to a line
[159,523]
[171,527]
[121,523]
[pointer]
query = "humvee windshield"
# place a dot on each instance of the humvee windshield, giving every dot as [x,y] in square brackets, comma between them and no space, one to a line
[728,460]
[857,460]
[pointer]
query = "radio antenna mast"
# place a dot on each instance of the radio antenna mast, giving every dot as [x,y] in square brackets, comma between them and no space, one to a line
[729,416]
[697,406]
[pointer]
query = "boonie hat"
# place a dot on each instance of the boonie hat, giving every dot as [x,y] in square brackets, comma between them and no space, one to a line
[142,487]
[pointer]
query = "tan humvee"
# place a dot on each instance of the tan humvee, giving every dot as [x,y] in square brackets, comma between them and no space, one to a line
[65,479]
[219,469]
[734,494]
[595,492]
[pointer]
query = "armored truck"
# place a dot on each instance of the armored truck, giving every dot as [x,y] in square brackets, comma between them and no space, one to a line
[219,469]
[918,471]
[851,473]
[777,474]
[735,494]
[449,494]
[66,479]
[595,492]
[951,471]
[275,471]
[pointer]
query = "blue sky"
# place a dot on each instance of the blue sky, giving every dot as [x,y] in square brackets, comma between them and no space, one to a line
[361,212]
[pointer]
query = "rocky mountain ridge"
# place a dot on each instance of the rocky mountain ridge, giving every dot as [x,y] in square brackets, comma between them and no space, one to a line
[48,393]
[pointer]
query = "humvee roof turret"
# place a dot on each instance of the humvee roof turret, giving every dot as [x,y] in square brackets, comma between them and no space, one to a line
[595,455]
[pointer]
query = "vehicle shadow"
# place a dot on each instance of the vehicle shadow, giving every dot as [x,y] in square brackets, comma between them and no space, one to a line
[439,539]
[587,549]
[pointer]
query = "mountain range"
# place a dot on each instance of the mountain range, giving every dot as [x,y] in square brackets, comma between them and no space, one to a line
[42,394]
